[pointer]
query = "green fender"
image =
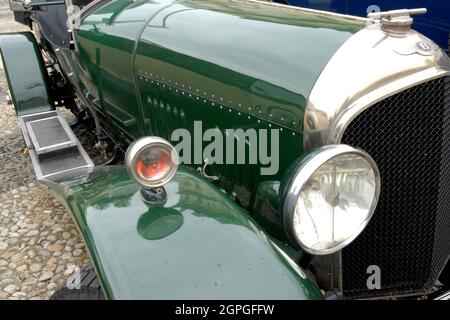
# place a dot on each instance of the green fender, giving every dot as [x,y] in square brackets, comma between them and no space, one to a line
[25,72]
[198,245]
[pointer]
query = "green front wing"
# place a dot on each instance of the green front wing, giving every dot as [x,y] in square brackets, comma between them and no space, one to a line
[25,72]
[198,245]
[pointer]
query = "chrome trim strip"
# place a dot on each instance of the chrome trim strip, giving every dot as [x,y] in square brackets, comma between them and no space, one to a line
[86,10]
[373,70]
[338,128]
[312,11]
[444,296]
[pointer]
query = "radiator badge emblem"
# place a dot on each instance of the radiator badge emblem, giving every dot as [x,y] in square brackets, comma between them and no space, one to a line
[422,47]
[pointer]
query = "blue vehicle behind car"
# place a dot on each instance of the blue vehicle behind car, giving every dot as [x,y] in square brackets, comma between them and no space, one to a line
[435,24]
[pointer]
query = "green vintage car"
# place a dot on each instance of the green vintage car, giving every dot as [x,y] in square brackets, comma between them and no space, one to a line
[254,150]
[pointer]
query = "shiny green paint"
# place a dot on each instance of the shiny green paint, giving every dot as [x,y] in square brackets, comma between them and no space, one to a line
[105,44]
[234,64]
[159,65]
[25,72]
[153,66]
[199,244]
[267,210]
[253,58]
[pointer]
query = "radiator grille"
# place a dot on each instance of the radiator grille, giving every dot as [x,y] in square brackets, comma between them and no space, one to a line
[409,235]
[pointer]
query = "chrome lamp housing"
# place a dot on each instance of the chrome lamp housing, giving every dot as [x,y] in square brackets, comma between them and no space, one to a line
[151,161]
[329,197]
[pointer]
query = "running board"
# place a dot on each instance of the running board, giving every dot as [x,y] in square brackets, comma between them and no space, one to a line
[54,149]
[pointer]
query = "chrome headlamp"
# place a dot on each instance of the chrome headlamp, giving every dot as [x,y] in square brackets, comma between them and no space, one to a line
[329,198]
[151,161]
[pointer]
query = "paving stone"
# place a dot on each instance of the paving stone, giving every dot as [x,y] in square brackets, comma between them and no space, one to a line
[32,233]
[12,288]
[46,275]
[55,247]
[3,295]
[78,252]
[36,267]
[52,286]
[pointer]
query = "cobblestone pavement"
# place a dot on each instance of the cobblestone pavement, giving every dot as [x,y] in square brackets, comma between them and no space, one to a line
[39,244]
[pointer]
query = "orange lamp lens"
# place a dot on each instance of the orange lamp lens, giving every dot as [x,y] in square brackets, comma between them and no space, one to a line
[154,163]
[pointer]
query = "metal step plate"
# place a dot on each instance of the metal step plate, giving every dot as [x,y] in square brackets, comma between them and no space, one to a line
[30,117]
[55,151]
[50,134]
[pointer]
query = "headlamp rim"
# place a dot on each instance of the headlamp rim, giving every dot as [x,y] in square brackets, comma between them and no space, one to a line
[137,147]
[303,172]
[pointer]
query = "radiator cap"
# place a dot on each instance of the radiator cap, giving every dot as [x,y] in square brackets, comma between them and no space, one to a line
[397,22]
